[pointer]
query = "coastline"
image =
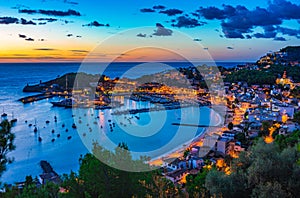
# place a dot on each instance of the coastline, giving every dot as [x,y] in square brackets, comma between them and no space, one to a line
[179,150]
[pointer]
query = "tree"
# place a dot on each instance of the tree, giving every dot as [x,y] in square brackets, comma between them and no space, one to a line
[161,187]
[230,126]
[98,179]
[297,117]
[263,171]
[6,144]
[195,185]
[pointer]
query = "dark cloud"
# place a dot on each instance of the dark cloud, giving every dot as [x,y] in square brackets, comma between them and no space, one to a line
[147,10]
[97,24]
[187,22]
[197,39]
[141,35]
[78,36]
[25,22]
[195,14]
[45,49]
[28,11]
[8,20]
[269,32]
[284,9]
[29,39]
[159,7]
[279,39]
[22,36]
[66,22]
[240,22]
[230,48]
[51,12]
[171,12]
[46,19]
[70,2]
[42,23]
[162,31]
[205,48]
[69,35]
[79,51]
[288,31]
[248,36]
[212,13]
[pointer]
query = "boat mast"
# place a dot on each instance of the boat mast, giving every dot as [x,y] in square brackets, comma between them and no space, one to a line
[66,83]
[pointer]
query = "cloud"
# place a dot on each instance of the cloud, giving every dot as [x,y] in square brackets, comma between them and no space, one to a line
[211,13]
[96,24]
[8,20]
[51,12]
[205,48]
[288,31]
[285,9]
[45,49]
[159,7]
[187,22]
[29,39]
[230,48]
[12,20]
[171,12]
[70,2]
[197,39]
[78,36]
[147,10]
[69,35]
[25,22]
[279,39]
[141,35]
[79,51]
[240,22]
[49,20]
[22,36]
[162,31]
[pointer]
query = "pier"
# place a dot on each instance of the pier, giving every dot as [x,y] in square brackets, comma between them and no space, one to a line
[42,96]
[157,108]
[194,125]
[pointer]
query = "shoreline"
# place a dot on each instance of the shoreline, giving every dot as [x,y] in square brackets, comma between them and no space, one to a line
[181,148]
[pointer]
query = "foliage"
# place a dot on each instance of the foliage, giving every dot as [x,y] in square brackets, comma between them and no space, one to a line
[263,171]
[97,179]
[297,117]
[195,185]
[289,140]
[6,144]
[230,126]
[263,76]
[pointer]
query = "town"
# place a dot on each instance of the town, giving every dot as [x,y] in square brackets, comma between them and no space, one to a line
[266,106]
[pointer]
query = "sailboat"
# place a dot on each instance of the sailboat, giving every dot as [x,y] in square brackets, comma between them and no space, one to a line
[35,127]
[13,120]
[3,114]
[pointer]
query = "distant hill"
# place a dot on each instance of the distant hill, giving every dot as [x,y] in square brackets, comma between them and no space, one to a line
[293,52]
[289,55]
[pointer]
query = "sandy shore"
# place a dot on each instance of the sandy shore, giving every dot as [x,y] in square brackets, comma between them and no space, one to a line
[178,151]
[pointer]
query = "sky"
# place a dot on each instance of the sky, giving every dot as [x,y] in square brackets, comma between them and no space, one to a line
[72,30]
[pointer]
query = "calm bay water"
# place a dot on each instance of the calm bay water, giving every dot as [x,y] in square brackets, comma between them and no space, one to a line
[63,154]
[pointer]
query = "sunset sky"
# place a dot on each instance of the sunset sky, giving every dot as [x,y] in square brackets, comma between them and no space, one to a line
[66,30]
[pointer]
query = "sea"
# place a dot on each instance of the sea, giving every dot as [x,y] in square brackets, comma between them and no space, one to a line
[151,134]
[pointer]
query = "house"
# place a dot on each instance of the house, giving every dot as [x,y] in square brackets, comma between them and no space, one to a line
[177,175]
[222,145]
[195,162]
[174,164]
